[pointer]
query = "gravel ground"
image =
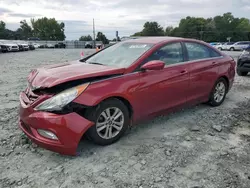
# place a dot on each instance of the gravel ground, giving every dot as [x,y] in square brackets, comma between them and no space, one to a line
[200,147]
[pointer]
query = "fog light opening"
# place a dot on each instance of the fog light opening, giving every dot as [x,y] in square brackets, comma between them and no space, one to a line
[47,134]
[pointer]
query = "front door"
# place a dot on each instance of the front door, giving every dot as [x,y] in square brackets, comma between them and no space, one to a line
[164,89]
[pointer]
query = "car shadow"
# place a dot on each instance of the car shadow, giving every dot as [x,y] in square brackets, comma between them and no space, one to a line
[161,127]
[139,132]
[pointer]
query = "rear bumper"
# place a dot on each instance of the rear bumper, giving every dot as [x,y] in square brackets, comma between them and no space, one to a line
[243,64]
[68,128]
[243,69]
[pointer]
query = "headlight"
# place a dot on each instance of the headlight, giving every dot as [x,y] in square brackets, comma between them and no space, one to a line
[60,100]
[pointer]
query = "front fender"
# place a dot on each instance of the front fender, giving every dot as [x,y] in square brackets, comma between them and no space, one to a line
[115,87]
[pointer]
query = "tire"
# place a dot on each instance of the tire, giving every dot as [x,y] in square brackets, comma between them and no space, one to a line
[240,73]
[220,49]
[97,115]
[217,97]
[231,49]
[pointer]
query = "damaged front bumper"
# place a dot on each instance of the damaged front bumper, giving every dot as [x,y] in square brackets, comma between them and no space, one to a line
[68,128]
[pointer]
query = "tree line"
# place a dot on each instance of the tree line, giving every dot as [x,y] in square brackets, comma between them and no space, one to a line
[218,28]
[43,28]
[99,37]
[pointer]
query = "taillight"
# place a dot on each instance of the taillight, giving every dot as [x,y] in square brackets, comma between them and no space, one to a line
[232,68]
[233,63]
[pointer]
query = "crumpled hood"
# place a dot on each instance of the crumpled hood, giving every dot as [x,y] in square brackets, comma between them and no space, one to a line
[53,75]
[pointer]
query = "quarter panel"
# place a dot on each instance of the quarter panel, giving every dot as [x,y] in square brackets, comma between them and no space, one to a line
[123,86]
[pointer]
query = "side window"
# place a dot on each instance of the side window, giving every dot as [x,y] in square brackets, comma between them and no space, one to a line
[197,51]
[213,53]
[170,54]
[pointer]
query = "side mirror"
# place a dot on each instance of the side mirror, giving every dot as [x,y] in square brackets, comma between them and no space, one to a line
[153,65]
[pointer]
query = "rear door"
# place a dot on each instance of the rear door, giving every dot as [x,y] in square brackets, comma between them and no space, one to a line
[164,89]
[203,65]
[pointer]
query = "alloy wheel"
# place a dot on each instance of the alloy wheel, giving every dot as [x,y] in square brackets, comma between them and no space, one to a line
[110,123]
[219,92]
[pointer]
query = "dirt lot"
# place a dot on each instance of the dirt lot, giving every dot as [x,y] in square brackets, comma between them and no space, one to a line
[200,147]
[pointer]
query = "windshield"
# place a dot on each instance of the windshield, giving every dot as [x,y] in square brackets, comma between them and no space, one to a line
[122,54]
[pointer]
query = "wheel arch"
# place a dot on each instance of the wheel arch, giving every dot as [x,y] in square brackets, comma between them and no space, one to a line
[227,80]
[124,100]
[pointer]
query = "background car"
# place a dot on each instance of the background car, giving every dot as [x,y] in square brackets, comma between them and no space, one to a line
[25,46]
[36,45]
[103,94]
[243,62]
[239,46]
[9,46]
[31,47]
[88,45]
[21,48]
[60,45]
[50,46]
[4,47]
[217,45]
[43,46]
[226,45]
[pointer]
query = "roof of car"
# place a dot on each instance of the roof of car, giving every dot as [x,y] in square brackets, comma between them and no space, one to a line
[153,40]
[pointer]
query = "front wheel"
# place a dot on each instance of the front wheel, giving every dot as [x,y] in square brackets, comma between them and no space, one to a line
[111,119]
[218,93]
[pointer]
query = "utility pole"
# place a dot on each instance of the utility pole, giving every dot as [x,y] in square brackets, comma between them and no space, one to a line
[94,45]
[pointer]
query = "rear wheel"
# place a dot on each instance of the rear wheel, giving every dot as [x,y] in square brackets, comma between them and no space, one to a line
[219,92]
[240,73]
[231,49]
[111,119]
[220,48]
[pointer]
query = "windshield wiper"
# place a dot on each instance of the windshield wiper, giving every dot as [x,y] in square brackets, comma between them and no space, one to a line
[95,63]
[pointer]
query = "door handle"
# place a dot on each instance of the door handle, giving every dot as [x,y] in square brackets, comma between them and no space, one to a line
[183,71]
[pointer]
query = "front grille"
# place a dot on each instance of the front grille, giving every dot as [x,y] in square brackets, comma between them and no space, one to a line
[31,95]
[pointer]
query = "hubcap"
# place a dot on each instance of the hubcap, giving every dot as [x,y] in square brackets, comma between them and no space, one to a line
[110,123]
[220,91]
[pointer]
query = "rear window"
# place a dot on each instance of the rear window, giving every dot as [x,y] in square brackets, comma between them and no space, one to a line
[198,51]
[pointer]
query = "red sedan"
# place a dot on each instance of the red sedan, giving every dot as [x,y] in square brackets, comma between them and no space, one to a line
[105,93]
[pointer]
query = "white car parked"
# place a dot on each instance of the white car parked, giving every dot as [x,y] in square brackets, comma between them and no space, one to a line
[239,46]
[226,45]
[23,46]
[10,47]
[217,45]
[36,45]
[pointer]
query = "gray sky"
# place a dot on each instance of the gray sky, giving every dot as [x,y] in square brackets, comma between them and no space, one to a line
[126,16]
